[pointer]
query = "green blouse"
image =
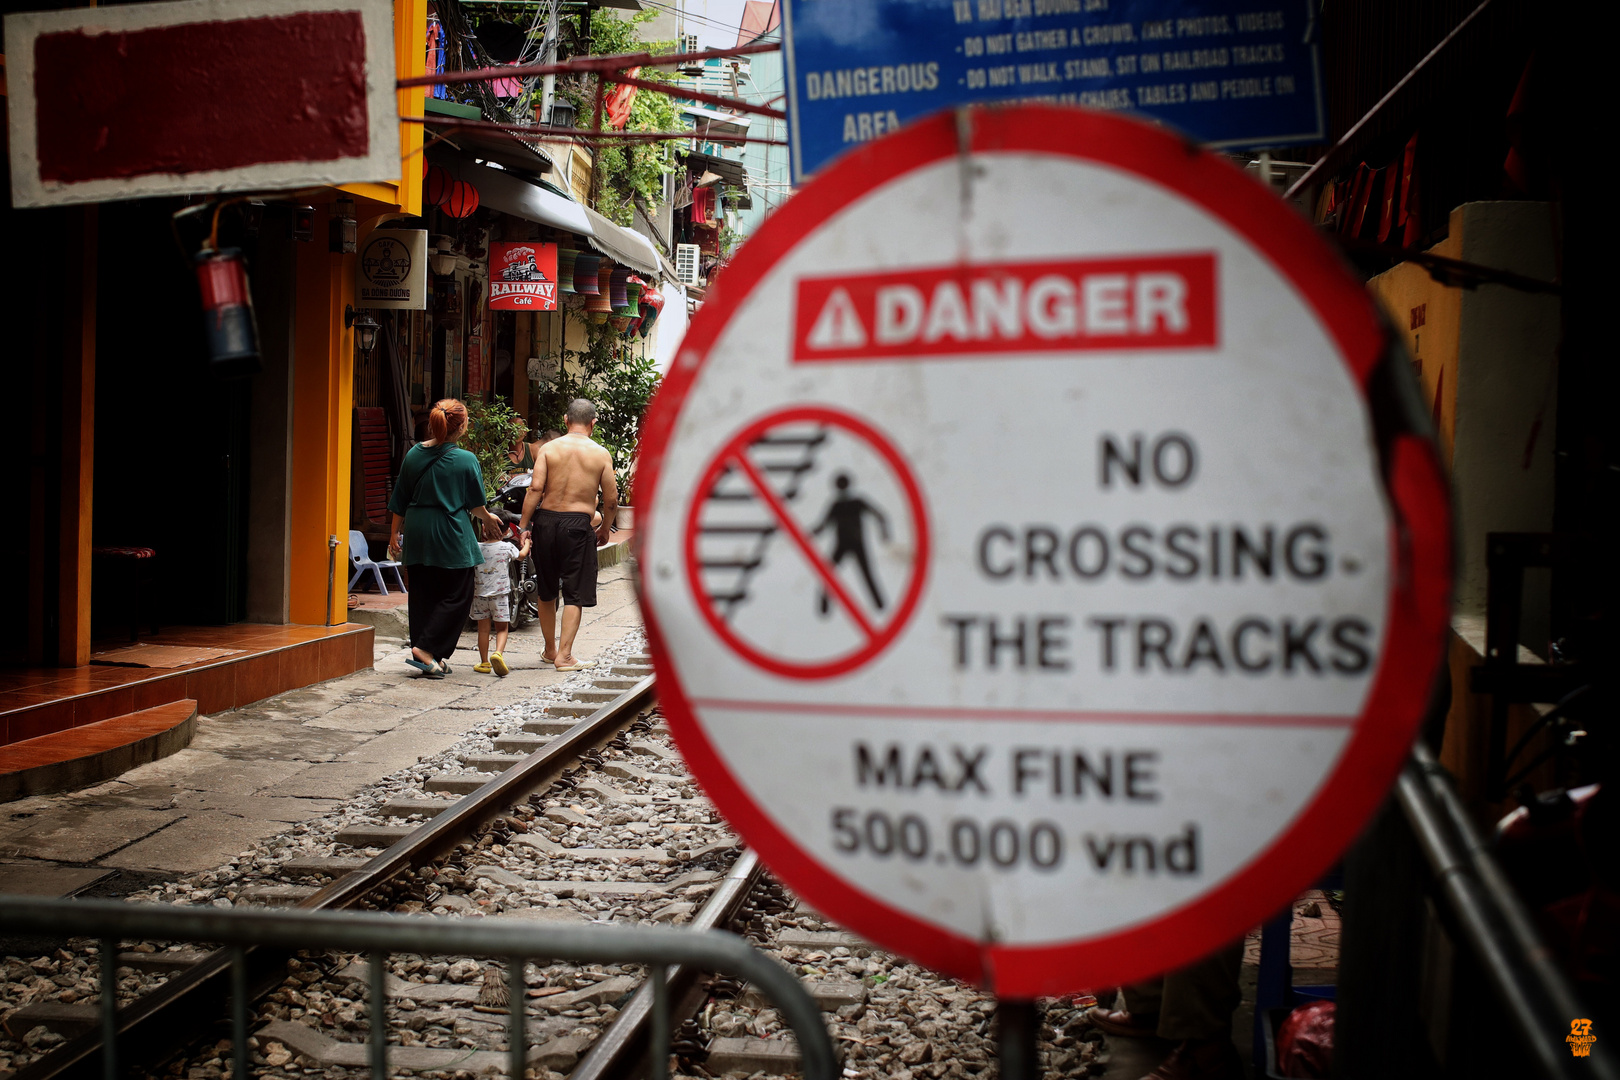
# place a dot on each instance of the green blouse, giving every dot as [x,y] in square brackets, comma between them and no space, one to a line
[437,485]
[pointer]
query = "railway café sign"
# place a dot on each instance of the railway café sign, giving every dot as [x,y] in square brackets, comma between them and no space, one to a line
[1229,73]
[1044,568]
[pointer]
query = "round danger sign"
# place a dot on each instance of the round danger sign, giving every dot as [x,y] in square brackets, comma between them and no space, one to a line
[1045,563]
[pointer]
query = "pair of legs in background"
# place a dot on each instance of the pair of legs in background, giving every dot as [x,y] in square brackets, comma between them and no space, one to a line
[1192,1008]
[565,564]
[487,610]
[437,604]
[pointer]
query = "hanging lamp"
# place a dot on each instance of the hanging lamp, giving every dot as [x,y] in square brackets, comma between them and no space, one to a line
[599,303]
[436,185]
[565,269]
[462,200]
[617,283]
[586,276]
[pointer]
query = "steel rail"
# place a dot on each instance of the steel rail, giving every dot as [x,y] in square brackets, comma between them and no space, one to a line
[1537,998]
[163,1021]
[625,1042]
[379,934]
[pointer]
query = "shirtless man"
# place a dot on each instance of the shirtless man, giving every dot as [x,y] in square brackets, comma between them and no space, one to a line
[562,500]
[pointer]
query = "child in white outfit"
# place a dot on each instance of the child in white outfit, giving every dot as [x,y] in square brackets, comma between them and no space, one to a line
[491,601]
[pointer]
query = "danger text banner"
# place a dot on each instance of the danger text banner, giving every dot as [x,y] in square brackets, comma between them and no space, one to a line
[1150,302]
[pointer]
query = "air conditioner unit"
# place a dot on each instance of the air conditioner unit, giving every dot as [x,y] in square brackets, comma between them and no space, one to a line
[687,263]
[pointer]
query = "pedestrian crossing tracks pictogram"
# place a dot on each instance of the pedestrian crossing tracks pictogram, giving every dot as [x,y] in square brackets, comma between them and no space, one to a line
[1045,572]
[808,545]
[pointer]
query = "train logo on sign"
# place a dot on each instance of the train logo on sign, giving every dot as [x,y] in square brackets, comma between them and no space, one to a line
[808,548]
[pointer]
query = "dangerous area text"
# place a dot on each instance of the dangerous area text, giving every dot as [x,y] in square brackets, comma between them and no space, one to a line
[1078,52]
[970,840]
[1081,554]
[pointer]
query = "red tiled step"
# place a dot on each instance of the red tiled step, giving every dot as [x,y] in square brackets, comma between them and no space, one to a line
[90,753]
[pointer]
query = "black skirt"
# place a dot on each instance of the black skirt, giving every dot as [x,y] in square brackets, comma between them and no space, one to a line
[439,602]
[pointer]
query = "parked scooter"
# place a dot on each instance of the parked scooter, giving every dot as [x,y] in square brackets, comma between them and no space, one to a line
[508,507]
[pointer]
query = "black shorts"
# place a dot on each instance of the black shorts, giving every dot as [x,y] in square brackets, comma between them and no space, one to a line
[565,557]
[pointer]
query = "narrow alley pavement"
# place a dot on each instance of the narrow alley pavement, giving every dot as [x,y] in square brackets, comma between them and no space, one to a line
[255,771]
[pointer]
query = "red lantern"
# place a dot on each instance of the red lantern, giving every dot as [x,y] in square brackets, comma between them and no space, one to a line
[462,200]
[436,187]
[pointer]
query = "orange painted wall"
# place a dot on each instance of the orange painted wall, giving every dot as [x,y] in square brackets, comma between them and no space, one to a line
[323,395]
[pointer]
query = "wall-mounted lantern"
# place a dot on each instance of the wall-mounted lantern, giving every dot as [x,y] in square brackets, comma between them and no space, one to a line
[344,234]
[365,329]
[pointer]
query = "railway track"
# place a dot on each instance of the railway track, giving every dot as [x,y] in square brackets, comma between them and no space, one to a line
[586,815]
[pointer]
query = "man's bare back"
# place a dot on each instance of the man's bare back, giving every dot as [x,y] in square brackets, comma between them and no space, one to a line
[568,475]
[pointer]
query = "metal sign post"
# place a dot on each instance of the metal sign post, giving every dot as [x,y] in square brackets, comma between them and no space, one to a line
[1044,572]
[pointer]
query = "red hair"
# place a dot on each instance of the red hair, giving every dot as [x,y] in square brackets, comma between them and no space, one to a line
[447,420]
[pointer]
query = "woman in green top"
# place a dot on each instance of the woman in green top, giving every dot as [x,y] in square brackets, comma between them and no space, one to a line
[438,485]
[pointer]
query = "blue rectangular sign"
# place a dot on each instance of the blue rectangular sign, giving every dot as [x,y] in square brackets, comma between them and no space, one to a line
[1229,73]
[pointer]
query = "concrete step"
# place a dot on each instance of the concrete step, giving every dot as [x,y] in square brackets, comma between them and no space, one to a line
[626,771]
[831,995]
[491,763]
[821,940]
[521,744]
[609,682]
[381,836]
[656,750]
[613,855]
[640,658]
[54,1016]
[556,1055]
[638,671]
[607,791]
[548,727]
[425,807]
[334,866]
[570,708]
[275,895]
[457,783]
[597,696]
[750,1055]
[600,888]
[90,753]
[163,962]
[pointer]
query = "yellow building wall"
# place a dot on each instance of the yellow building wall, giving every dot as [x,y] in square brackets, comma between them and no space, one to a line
[1428,314]
[323,380]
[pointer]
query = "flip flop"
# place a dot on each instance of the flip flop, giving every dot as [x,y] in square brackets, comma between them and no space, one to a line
[578,665]
[444,666]
[429,671]
[544,659]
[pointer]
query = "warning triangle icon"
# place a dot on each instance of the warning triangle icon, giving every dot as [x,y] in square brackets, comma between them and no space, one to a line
[837,327]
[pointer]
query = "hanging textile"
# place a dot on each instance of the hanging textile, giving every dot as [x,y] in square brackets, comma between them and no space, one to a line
[619,101]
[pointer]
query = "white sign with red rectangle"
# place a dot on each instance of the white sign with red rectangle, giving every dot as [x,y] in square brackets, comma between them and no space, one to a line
[1041,568]
[200,96]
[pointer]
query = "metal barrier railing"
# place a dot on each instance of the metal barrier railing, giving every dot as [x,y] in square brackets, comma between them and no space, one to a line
[1494,922]
[381,935]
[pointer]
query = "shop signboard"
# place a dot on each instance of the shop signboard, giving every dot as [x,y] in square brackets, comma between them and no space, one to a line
[1044,564]
[1222,71]
[522,276]
[391,271]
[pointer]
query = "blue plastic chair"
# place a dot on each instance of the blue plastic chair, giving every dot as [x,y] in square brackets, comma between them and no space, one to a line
[360,559]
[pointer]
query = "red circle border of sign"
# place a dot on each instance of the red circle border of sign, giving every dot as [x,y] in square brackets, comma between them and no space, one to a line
[886,449]
[1420,545]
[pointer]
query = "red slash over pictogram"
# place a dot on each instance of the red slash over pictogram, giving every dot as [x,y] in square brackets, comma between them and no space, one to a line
[728,577]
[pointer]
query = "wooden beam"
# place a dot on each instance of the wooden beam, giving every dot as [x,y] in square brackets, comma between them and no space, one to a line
[78,475]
